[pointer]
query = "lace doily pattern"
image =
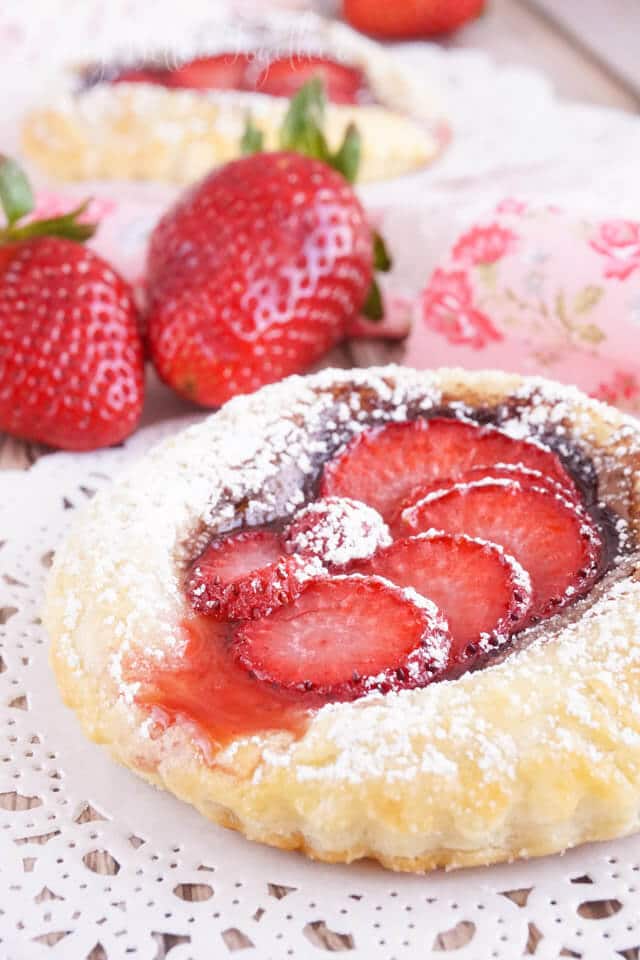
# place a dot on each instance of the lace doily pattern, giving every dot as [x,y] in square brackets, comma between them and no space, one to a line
[97,864]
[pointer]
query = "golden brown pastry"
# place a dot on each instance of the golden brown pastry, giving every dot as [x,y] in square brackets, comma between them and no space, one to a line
[154,120]
[522,742]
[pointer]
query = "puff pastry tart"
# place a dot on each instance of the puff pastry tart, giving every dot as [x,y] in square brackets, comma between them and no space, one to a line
[172,120]
[382,613]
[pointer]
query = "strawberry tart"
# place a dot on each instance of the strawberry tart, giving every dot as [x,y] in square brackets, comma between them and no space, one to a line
[383,613]
[171,118]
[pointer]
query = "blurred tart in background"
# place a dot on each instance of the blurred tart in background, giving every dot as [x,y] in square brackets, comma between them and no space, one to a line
[172,118]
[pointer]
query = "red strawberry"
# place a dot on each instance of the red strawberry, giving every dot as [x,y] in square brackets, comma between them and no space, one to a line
[500,471]
[484,594]
[254,274]
[284,78]
[344,637]
[258,270]
[337,531]
[383,465]
[71,358]
[246,575]
[141,75]
[420,18]
[225,71]
[555,541]
[516,471]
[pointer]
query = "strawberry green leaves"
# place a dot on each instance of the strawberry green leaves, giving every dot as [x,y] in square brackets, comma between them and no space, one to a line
[303,132]
[252,138]
[17,200]
[381,258]
[373,307]
[16,195]
[347,159]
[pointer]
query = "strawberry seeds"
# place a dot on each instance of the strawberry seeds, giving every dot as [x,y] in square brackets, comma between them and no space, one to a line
[487,535]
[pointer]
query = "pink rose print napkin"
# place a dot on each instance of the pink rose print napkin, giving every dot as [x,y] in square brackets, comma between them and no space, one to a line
[538,291]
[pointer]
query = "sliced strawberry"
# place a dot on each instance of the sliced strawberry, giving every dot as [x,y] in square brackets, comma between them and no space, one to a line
[285,76]
[225,71]
[246,575]
[383,465]
[517,471]
[141,75]
[500,471]
[484,594]
[337,530]
[200,682]
[555,541]
[344,637]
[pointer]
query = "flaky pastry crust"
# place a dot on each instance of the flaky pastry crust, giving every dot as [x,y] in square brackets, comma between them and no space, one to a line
[527,757]
[138,131]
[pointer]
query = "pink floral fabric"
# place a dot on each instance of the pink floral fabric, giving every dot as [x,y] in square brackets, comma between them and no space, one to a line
[619,242]
[484,245]
[447,308]
[622,389]
[512,205]
[538,291]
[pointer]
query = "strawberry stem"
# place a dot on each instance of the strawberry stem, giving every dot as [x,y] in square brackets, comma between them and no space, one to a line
[347,159]
[373,307]
[382,261]
[302,131]
[302,126]
[16,197]
[252,138]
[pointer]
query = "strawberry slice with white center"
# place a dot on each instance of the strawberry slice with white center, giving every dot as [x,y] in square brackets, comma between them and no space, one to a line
[500,471]
[224,71]
[344,637]
[484,594]
[337,530]
[285,76]
[554,540]
[383,465]
[246,575]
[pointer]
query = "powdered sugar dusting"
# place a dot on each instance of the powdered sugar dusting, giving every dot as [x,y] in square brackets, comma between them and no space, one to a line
[521,582]
[257,460]
[436,640]
[338,530]
[139,130]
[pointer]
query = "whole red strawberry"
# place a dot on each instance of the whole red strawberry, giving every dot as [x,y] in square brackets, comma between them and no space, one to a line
[259,269]
[71,358]
[418,18]
[278,258]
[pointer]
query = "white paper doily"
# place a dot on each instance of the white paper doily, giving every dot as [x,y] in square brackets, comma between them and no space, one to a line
[511,136]
[269,903]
